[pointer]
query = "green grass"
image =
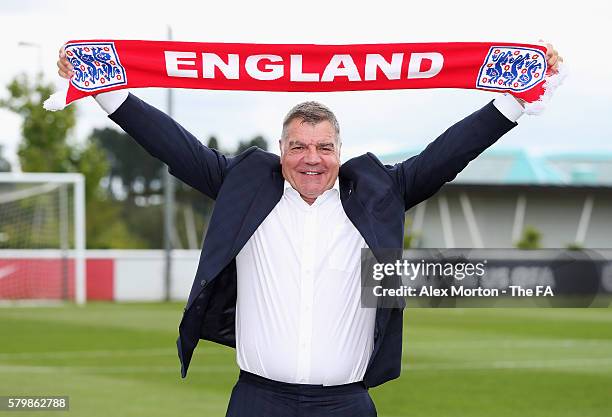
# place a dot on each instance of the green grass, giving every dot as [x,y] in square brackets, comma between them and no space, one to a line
[120,360]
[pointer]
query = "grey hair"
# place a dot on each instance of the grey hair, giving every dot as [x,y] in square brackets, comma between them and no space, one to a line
[311,112]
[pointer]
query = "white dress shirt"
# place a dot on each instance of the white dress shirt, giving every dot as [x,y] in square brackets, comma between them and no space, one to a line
[298,312]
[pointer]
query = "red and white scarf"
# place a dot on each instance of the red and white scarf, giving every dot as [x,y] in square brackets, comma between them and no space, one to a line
[106,65]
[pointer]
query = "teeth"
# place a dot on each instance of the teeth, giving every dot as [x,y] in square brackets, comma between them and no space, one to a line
[311,173]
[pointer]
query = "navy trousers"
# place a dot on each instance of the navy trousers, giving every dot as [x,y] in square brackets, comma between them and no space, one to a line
[255,396]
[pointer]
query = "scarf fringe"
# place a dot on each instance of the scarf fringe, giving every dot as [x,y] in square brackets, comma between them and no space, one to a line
[551,83]
[57,101]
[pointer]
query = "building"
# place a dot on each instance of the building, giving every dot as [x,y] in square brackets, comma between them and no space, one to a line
[566,197]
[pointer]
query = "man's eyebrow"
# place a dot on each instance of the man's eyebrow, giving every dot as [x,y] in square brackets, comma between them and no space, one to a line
[319,145]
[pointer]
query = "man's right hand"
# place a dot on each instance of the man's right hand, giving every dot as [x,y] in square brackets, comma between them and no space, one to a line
[65,69]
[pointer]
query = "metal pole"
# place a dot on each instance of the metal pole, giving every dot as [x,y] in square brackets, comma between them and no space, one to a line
[519,218]
[79,240]
[447,222]
[470,219]
[64,245]
[585,219]
[168,208]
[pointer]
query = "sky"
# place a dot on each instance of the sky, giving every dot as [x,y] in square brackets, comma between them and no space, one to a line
[578,119]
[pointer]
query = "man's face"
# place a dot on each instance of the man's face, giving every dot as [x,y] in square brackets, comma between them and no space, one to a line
[310,158]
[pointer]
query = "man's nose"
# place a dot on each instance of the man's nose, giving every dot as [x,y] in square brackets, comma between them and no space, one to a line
[312,155]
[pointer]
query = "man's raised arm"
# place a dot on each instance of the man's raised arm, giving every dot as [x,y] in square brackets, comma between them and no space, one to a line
[187,158]
[422,175]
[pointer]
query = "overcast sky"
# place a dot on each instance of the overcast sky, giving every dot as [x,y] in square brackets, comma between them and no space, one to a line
[578,119]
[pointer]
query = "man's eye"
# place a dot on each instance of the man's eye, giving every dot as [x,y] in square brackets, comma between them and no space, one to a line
[297,147]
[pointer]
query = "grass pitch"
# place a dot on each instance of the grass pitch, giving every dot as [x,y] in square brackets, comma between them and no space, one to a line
[120,360]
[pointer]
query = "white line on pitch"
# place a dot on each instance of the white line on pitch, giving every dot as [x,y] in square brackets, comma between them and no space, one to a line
[112,369]
[98,353]
[526,364]
[511,344]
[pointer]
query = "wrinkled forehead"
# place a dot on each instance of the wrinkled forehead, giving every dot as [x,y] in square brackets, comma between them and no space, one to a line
[307,132]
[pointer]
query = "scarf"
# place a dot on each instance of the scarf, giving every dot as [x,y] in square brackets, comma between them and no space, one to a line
[106,65]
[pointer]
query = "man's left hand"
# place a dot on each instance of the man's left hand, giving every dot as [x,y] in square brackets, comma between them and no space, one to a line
[553,59]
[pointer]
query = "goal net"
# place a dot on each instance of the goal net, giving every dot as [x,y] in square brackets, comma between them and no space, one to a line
[42,237]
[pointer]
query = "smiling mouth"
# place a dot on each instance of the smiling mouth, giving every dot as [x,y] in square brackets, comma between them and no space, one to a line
[311,173]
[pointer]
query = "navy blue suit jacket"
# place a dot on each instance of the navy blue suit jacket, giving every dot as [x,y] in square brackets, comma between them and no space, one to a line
[246,188]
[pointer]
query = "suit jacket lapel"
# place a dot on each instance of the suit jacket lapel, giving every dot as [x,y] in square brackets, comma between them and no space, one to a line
[357,214]
[264,200]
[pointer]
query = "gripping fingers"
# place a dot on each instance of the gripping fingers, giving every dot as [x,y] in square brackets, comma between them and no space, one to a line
[65,69]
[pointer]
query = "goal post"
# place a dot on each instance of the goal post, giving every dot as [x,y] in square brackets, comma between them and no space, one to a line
[42,236]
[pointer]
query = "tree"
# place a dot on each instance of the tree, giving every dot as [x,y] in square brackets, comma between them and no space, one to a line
[44,148]
[213,143]
[5,165]
[258,141]
[132,170]
[574,246]
[531,239]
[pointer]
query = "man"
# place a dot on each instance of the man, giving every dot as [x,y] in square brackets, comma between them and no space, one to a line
[279,274]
